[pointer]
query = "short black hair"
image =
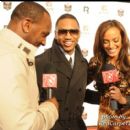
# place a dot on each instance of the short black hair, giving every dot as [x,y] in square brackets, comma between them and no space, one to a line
[67,15]
[31,10]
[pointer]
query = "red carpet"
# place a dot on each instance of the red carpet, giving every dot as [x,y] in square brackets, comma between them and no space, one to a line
[91,128]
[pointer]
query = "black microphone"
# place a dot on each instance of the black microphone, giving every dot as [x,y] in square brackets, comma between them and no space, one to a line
[110,76]
[49,79]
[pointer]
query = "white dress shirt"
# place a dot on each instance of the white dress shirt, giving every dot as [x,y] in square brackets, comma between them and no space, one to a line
[68,56]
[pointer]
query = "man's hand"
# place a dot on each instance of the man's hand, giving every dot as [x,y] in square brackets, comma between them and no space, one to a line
[55,102]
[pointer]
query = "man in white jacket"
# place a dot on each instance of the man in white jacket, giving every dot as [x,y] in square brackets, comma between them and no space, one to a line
[19,96]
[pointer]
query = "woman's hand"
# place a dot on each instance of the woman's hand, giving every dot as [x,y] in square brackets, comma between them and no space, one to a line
[115,93]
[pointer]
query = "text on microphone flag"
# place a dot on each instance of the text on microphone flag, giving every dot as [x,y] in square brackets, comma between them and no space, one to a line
[110,76]
[49,81]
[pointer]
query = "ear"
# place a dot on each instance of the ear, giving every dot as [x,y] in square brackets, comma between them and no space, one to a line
[26,25]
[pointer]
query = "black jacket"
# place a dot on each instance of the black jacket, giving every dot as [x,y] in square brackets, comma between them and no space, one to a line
[71,85]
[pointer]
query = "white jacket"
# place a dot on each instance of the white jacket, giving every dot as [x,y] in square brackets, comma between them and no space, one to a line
[19,108]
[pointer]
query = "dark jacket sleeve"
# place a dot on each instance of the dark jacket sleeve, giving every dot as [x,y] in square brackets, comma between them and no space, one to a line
[40,65]
[92,97]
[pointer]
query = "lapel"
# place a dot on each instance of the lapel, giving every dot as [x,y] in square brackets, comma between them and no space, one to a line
[61,63]
[80,66]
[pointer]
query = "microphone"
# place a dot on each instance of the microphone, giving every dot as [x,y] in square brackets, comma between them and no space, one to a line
[110,76]
[49,79]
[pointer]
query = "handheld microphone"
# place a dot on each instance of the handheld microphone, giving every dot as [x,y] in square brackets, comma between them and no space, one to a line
[110,76]
[49,79]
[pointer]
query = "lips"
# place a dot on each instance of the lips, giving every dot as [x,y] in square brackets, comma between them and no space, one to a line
[111,51]
[67,44]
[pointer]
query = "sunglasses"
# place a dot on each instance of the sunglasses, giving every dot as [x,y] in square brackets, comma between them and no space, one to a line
[70,31]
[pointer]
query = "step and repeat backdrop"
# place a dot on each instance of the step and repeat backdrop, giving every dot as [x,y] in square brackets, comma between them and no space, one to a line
[89,15]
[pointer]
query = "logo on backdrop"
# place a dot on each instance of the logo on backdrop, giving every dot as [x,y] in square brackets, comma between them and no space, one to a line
[7,5]
[104,9]
[120,12]
[86,9]
[49,6]
[67,7]
[5,26]
[84,52]
[85,29]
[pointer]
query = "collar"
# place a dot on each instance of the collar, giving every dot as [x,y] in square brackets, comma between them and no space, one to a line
[19,42]
[68,55]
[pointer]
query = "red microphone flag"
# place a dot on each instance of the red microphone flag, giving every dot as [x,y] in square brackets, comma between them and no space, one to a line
[49,81]
[110,76]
